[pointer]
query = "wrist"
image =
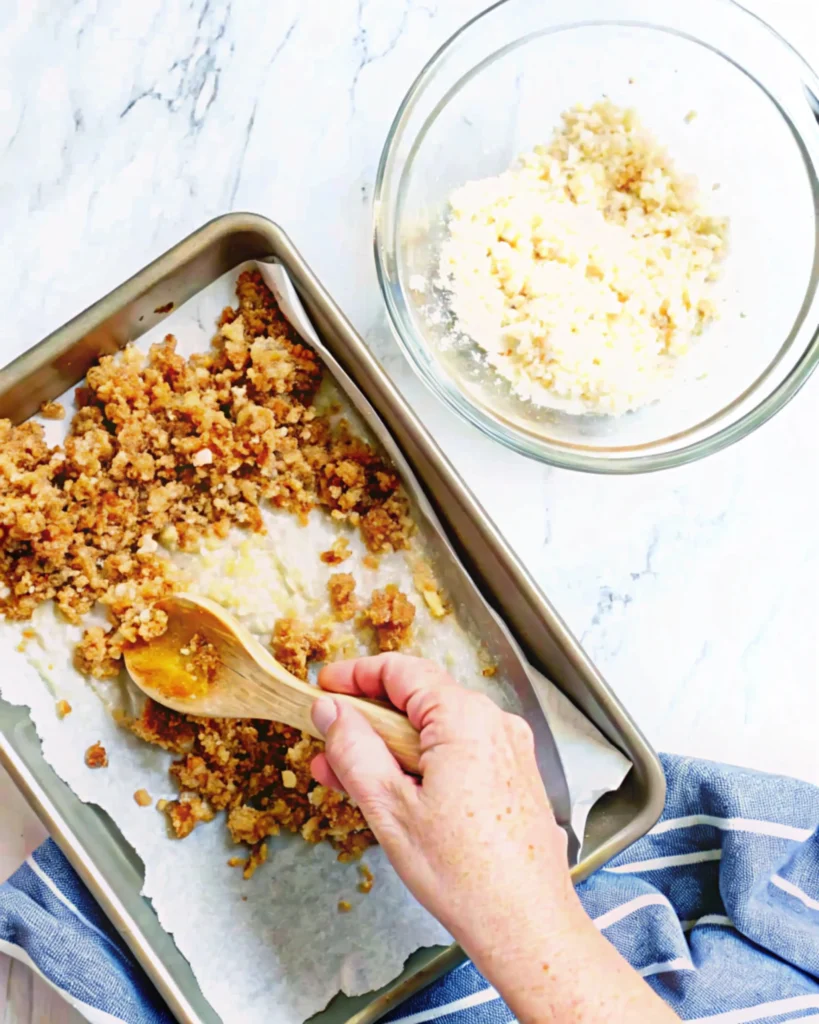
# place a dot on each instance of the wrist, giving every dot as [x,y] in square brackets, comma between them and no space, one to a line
[530,926]
[543,971]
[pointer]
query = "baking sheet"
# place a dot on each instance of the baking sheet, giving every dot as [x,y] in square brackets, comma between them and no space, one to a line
[278,939]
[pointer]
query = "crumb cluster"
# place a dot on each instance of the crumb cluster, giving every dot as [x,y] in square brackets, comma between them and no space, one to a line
[96,756]
[391,613]
[201,659]
[341,587]
[52,411]
[294,645]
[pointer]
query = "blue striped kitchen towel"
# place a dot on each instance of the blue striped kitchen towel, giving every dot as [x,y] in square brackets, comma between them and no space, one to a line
[717,908]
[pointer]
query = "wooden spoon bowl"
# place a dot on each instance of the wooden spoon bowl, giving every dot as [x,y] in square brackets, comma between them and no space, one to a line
[238,678]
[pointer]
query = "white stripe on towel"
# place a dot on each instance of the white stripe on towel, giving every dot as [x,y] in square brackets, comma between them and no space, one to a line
[486,995]
[774,1009]
[91,1013]
[719,920]
[658,863]
[801,1020]
[762,828]
[651,899]
[794,890]
[680,964]
[66,902]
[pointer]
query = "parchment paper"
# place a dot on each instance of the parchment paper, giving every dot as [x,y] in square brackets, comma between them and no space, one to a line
[273,947]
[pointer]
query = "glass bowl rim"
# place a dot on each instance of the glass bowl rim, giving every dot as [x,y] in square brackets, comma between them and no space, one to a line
[539,448]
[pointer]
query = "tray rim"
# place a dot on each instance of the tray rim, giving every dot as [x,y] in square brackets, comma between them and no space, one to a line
[282,248]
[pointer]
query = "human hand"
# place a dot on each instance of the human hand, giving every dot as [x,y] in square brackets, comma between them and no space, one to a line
[475,840]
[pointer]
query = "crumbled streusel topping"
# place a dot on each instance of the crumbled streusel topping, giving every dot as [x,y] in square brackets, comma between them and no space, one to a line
[173,448]
[341,587]
[96,756]
[259,772]
[391,612]
[294,645]
[168,451]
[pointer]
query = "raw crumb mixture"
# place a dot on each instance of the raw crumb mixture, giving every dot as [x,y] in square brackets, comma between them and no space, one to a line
[585,271]
[166,453]
[96,756]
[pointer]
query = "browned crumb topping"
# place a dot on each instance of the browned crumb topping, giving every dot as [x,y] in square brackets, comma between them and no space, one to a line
[63,708]
[489,671]
[427,586]
[257,771]
[236,862]
[341,587]
[96,756]
[143,798]
[160,727]
[294,645]
[371,561]
[52,411]
[338,552]
[367,879]
[185,813]
[201,658]
[178,449]
[391,613]
[170,451]
[344,906]
[258,855]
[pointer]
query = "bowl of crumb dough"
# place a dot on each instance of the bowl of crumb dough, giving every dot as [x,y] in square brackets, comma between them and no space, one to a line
[596,228]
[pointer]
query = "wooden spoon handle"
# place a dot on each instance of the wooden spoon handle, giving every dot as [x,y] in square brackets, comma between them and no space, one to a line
[282,697]
[394,729]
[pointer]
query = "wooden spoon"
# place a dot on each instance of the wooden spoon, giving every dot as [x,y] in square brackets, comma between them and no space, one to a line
[243,680]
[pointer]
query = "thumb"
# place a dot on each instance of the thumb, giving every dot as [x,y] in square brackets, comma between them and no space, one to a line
[361,762]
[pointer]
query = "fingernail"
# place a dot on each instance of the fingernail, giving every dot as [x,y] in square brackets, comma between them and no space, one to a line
[324,713]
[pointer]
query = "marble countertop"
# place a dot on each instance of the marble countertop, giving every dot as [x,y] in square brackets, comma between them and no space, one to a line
[125,127]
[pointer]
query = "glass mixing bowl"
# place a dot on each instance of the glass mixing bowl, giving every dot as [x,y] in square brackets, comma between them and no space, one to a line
[497,89]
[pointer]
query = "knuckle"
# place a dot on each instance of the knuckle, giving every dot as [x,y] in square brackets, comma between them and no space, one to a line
[478,709]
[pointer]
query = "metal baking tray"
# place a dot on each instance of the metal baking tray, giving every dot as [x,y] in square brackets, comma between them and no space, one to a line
[92,843]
